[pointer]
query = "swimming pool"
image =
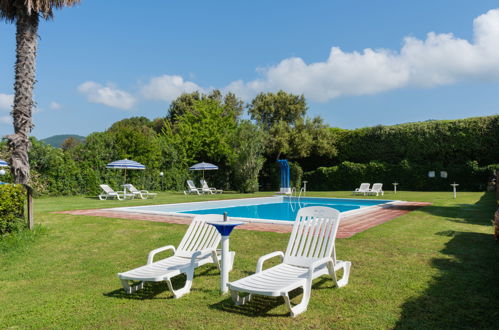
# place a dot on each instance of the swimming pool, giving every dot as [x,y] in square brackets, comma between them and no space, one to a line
[276,208]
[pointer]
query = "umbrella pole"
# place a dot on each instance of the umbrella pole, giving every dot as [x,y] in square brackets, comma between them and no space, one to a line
[124,183]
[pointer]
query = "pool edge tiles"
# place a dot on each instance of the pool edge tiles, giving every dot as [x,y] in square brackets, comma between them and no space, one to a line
[186,209]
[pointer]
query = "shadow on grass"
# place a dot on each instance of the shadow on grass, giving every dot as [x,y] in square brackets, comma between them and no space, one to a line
[479,213]
[152,289]
[261,305]
[466,293]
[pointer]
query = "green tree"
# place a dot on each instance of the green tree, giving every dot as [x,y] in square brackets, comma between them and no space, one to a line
[290,132]
[54,171]
[269,109]
[133,122]
[248,141]
[26,14]
[185,103]
[204,133]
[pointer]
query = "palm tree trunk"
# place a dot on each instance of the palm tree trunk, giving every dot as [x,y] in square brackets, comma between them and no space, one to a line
[26,45]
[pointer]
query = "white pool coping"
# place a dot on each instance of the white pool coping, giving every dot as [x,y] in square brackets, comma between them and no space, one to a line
[203,205]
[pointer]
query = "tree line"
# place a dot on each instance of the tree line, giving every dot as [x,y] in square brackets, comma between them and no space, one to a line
[246,140]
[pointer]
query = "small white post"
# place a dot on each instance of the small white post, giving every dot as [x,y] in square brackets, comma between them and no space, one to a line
[454,185]
[304,187]
[395,184]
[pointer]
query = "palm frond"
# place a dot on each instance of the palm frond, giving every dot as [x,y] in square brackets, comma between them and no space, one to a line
[11,9]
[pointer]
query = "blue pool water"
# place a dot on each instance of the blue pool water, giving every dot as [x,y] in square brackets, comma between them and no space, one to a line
[287,208]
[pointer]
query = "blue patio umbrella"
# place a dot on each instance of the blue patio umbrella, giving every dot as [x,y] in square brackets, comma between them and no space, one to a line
[126,164]
[203,167]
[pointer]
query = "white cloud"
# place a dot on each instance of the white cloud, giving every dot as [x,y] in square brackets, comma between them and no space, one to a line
[6,120]
[438,60]
[168,88]
[107,95]
[6,101]
[55,105]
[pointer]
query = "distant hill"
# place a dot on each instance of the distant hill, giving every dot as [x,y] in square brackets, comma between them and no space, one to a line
[57,140]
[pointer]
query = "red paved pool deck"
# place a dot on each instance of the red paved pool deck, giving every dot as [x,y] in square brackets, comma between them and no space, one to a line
[349,226]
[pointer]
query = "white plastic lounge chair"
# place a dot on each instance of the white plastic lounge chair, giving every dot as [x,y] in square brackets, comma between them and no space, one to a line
[109,192]
[198,247]
[144,194]
[192,188]
[206,189]
[363,189]
[376,189]
[310,254]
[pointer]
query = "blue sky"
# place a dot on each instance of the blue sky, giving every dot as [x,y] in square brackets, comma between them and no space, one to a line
[359,63]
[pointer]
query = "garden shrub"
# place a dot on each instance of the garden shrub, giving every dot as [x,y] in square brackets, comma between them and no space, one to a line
[296,174]
[348,175]
[12,200]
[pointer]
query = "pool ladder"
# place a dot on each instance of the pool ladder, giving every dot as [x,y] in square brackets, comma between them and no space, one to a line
[293,195]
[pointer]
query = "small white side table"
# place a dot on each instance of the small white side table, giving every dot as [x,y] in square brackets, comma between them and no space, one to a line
[395,184]
[225,228]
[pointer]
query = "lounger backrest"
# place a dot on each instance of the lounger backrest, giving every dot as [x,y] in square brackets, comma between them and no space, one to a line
[313,236]
[204,184]
[200,236]
[364,186]
[130,187]
[107,189]
[191,185]
[377,187]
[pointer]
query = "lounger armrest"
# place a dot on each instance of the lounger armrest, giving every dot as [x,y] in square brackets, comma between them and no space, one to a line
[318,263]
[200,255]
[150,257]
[262,259]
[144,191]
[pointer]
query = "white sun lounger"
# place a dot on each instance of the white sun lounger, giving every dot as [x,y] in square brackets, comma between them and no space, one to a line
[206,189]
[198,247]
[363,189]
[309,255]
[109,192]
[376,189]
[192,188]
[144,194]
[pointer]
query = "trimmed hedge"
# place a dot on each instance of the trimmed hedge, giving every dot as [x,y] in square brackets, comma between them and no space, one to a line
[410,176]
[446,141]
[12,201]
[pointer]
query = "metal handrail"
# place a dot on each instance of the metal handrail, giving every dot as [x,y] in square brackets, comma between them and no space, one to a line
[293,190]
[302,190]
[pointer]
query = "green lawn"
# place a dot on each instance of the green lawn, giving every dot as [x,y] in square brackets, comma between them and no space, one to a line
[433,268]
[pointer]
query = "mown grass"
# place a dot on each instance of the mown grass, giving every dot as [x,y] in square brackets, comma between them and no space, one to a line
[432,268]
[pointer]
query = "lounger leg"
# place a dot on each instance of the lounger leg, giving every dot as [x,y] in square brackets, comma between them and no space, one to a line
[131,288]
[214,257]
[238,300]
[346,273]
[185,289]
[302,306]
[232,256]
